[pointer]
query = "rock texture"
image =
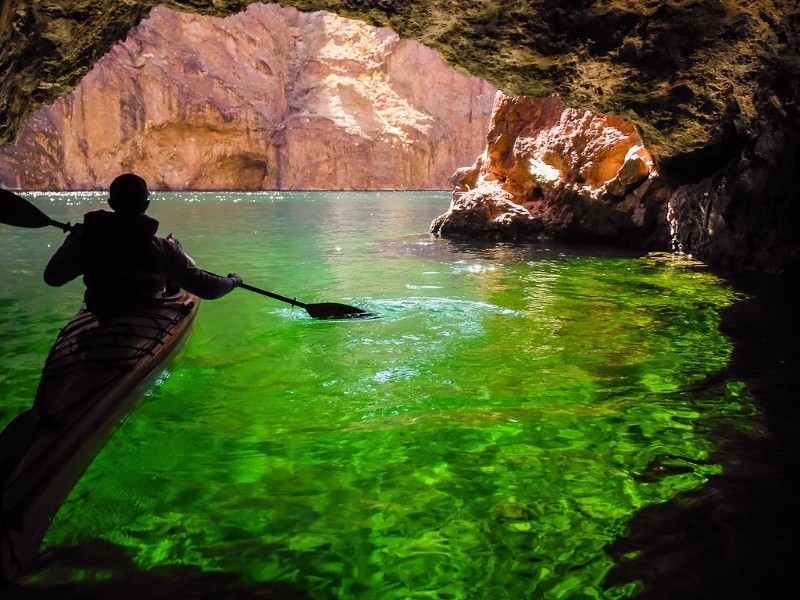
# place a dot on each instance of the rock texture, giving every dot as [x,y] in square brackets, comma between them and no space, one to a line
[746,214]
[712,84]
[270,98]
[680,68]
[553,171]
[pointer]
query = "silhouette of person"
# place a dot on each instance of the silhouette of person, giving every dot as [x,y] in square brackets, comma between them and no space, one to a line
[121,258]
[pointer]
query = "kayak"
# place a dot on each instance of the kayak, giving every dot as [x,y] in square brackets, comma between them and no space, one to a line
[101,364]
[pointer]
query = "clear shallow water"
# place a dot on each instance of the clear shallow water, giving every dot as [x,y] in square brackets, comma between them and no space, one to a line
[487,437]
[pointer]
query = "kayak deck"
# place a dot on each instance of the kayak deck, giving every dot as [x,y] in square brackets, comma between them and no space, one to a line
[96,371]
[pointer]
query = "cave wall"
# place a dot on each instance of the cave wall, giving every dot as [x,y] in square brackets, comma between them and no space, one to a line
[679,69]
[711,84]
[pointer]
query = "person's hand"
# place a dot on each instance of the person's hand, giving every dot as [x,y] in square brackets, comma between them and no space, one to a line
[174,241]
[237,281]
[74,229]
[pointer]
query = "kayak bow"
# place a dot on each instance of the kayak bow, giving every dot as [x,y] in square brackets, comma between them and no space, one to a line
[96,371]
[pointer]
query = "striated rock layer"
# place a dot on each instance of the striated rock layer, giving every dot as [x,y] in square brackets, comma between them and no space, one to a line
[553,171]
[270,98]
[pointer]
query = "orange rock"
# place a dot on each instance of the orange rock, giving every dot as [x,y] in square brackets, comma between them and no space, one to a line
[572,171]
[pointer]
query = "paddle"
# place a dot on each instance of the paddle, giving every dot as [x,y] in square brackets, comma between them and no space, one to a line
[16,211]
[322,310]
[19,212]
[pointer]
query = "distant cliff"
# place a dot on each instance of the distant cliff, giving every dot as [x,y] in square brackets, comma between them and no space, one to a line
[271,98]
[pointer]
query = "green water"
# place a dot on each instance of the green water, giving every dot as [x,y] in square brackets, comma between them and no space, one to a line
[487,437]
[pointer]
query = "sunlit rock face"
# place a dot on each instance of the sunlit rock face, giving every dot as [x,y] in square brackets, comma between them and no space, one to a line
[270,98]
[557,172]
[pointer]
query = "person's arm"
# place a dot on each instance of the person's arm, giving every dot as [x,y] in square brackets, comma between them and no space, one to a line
[183,273]
[65,264]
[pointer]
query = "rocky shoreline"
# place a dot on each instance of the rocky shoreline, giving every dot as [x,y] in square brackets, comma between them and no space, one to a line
[712,87]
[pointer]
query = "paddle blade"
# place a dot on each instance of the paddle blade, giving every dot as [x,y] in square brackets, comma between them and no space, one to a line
[16,211]
[334,310]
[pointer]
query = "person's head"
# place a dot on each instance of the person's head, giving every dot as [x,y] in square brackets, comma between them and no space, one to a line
[128,195]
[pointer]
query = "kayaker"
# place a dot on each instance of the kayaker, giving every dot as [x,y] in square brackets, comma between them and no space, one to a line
[121,258]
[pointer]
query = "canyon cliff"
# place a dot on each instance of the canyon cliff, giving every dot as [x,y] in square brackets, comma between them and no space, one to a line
[713,87]
[270,98]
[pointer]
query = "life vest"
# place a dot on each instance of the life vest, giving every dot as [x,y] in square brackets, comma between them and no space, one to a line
[119,257]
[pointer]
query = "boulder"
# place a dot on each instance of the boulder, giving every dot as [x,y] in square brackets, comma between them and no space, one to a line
[553,171]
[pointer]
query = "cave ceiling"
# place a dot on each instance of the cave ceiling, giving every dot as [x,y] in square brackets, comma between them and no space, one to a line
[681,70]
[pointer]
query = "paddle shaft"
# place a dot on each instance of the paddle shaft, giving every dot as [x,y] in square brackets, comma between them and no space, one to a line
[323,310]
[258,290]
[65,227]
[263,292]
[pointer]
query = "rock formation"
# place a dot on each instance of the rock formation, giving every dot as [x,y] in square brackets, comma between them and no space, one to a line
[713,86]
[270,98]
[678,69]
[554,171]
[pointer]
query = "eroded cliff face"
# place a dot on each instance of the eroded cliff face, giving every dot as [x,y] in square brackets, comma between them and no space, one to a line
[549,171]
[557,172]
[270,98]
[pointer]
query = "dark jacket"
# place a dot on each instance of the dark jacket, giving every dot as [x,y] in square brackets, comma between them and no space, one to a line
[122,260]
